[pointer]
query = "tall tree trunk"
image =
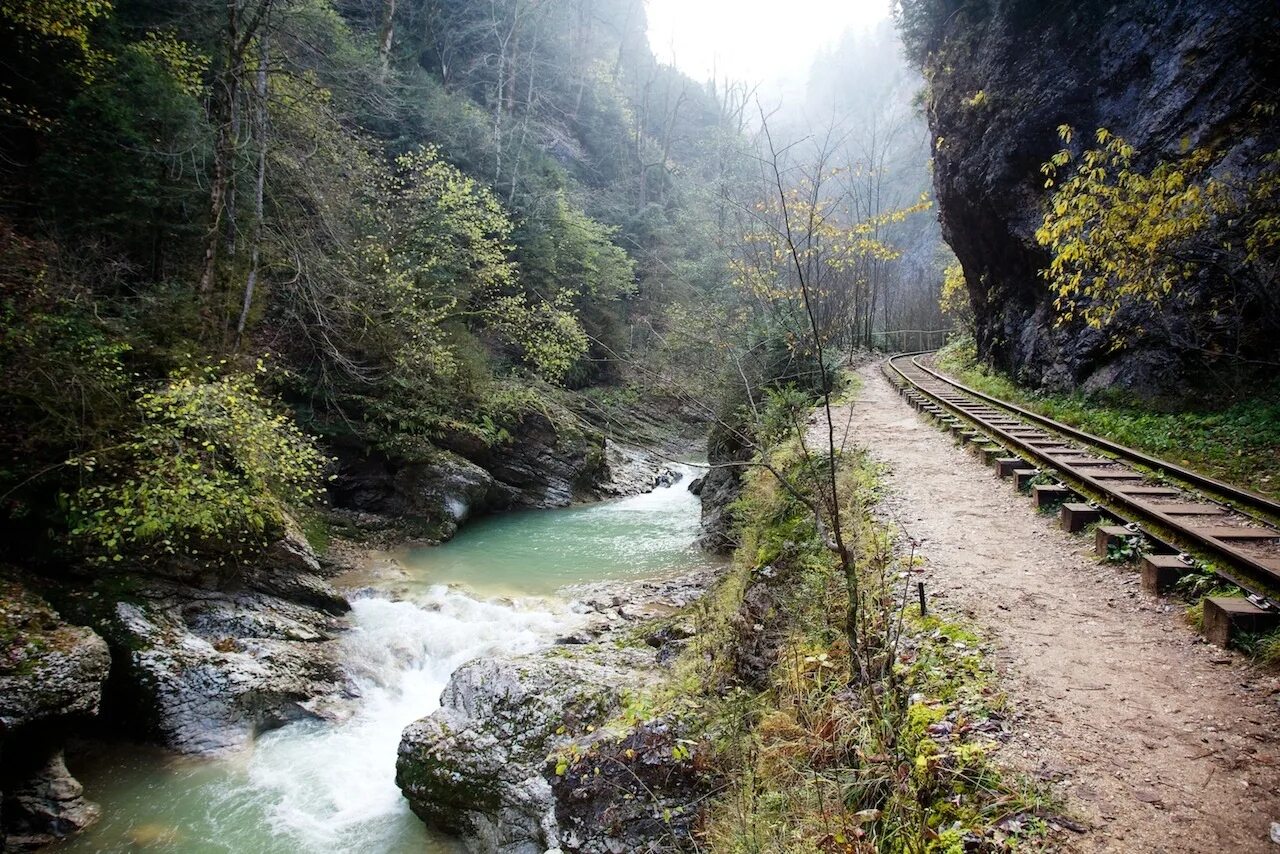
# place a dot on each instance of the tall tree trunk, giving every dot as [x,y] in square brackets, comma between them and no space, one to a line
[239,33]
[385,36]
[225,96]
[524,118]
[260,128]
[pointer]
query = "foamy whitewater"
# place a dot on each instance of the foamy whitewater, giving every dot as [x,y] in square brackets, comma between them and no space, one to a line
[330,786]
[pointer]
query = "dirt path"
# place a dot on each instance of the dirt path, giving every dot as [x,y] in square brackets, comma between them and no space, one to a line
[1159,741]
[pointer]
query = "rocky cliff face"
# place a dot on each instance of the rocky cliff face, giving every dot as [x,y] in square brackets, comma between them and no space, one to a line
[1165,76]
[719,488]
[51,678]
[203,661]
[543,465]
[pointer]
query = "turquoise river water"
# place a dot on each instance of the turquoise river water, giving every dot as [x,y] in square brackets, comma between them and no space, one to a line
[330,787]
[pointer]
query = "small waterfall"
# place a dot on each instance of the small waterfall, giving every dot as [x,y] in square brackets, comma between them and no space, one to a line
[331,787]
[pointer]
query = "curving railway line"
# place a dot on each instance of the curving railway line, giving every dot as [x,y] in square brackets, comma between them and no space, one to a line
[1178,520]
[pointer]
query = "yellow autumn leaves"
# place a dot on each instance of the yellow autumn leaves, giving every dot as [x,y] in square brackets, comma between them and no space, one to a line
[1118,235]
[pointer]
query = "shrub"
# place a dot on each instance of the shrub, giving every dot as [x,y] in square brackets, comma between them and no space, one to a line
[207,470]
[1120,235]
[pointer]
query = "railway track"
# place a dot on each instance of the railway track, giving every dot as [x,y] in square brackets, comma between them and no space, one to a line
[1187,522]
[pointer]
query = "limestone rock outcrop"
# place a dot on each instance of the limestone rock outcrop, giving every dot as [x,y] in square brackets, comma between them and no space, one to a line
[202,662]
[1003,75]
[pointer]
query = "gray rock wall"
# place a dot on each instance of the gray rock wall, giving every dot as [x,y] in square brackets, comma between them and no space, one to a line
[1165,76]
[202,664]
[541,466]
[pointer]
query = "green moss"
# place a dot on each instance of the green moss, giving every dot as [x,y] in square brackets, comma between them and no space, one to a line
[317,530]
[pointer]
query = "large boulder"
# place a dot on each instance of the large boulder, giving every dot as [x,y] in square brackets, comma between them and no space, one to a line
[634,471]
[543,464]
[450,488]
[518,758]
[201,664]
[548,465]
[48,668]
[477,766]
[435,495]
[51,679]
[203,671]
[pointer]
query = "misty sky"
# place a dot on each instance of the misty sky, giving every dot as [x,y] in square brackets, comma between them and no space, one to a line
[753,40]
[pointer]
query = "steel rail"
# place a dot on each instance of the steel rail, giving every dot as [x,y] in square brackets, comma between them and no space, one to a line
[1078,473]
[1226,490]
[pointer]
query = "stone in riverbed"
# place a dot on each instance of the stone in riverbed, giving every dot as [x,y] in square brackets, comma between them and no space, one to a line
[476,767]
[48,806]
[514,761]
[435,494]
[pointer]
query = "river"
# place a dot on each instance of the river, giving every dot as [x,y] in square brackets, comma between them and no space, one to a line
[498,587]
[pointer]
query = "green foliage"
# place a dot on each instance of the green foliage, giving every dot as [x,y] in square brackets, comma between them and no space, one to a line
[64,383]
[821,761]
[207,470]
[82,382]
[436,253]
[574,275]
[56,19]
[954,299]
[186,66]
[1127,549]
[60,25]
[112,166]
[1267,649]
[446,230]
[549,336]
[922,24]
[785,411]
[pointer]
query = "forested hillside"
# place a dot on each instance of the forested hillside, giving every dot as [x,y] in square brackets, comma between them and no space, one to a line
[231,228]
[883,136]
[299,298]
[290,290]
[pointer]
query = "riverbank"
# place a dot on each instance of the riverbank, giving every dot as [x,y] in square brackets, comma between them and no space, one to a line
[321,785]
[741,720]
